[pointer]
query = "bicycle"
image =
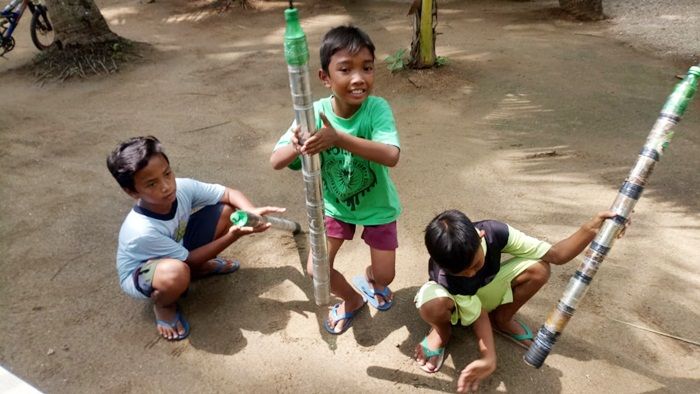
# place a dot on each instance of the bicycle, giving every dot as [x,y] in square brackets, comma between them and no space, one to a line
[40,28]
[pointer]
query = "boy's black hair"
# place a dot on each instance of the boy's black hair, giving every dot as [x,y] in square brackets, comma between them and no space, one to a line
[452,241]
[131,156]
[350,38]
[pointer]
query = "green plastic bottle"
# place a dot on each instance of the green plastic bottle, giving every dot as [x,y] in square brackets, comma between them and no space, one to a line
[678,101]
[296,51]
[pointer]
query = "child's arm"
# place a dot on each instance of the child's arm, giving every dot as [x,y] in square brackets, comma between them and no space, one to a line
[207,252]
[285,155]
[480,369]
[238,200]
[327,137]
[565,250]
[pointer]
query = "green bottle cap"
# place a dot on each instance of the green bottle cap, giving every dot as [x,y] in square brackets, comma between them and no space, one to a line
[239,218]
[296,52]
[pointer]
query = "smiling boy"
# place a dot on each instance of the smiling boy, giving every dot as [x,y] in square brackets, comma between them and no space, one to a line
[358,143]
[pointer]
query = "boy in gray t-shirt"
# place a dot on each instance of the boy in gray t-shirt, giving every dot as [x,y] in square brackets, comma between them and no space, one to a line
[174,232]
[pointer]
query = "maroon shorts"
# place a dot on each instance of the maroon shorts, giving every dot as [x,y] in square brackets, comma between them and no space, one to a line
[382,236]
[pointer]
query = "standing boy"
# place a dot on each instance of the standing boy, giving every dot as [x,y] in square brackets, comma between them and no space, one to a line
[358,142]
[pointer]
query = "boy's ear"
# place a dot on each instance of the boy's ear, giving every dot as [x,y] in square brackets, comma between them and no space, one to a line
[131,193]
[324,77]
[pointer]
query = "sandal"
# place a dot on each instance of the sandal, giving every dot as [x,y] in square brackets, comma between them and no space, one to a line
[429,353]
[517,338]
[347,316]
[368,293]
[223,266]
[173,326]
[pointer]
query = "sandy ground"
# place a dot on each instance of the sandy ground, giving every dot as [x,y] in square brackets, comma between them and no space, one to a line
[521,80]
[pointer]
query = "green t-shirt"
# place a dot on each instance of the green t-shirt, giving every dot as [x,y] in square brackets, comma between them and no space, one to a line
[356,190]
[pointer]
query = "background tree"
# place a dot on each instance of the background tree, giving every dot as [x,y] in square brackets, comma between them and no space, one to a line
[78,23]
[85,45]
[424,23]
[583,9]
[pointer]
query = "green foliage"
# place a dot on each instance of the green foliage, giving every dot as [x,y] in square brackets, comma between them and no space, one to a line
[441,61]
[397,61]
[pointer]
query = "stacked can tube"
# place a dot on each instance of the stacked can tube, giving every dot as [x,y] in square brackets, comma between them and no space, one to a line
[296,52]
[245,218]
[630,192]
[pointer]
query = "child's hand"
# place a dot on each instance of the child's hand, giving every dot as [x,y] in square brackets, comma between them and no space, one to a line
[267,210]
[247,230]
[596,222]
[324,138]
[241,231]
[473,374]
[296,137]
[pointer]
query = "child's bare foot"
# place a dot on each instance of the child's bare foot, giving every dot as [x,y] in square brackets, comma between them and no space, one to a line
[340,316]
[430,353]
[170,323]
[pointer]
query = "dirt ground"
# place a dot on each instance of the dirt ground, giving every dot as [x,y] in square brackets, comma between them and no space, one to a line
[521,80]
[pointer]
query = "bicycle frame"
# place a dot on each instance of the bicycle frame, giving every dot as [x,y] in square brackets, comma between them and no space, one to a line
[12,13]
[13,19]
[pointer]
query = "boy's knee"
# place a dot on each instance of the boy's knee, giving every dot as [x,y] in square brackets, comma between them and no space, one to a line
[227,210]
[171,274]
[437,310]
[540,272]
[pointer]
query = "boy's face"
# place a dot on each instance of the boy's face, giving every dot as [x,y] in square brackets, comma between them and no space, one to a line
[350,78]
[477,264]
[155,185]
[478,261]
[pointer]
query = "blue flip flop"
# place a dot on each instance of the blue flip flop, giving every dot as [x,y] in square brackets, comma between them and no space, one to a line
[347,316]
[173,325]
[221,266]
[368,292]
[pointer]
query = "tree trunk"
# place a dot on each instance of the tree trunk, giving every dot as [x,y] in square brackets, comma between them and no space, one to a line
[424,23]
[583,9]
[78,23]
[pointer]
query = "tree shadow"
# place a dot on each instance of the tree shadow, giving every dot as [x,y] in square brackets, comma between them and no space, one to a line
[218,309]
[631,348]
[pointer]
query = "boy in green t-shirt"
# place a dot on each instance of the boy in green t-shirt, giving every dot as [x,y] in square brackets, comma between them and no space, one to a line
[358,142]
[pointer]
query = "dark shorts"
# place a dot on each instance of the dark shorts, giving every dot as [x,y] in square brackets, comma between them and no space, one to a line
[381,237]
[200,230]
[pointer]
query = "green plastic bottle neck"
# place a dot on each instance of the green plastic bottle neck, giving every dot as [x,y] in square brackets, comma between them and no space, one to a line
[239,218]
[293,26]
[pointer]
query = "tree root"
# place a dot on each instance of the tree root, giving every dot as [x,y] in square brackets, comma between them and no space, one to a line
[83,61]
[224,5]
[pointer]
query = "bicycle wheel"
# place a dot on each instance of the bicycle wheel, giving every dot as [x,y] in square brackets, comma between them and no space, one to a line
[41,28]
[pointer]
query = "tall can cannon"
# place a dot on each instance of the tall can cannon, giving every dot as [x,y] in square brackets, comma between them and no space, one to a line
[630,192]
[296,53]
